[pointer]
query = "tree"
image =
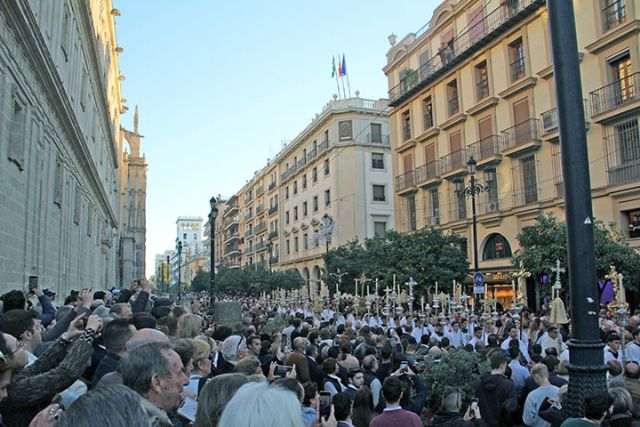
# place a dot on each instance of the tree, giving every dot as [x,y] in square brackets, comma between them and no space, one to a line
[427,255]
[544,242]
[201,281]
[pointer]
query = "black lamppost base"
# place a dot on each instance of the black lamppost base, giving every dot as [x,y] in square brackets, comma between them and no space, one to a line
[586,373]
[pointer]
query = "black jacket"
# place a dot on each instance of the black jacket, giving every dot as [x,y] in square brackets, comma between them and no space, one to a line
[108,364]
[453,419]
[497,399]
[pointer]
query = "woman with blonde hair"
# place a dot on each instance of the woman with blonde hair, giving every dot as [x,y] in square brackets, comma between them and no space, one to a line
[201,367]
[214,397]
[190,326]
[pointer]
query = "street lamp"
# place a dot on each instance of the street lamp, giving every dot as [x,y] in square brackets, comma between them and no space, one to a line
[165,277]
[212,234]
[179,268]
[474,189]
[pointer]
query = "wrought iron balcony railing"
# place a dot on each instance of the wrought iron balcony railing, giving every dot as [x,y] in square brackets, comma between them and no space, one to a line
[405,181]
[521,134]
[615,94]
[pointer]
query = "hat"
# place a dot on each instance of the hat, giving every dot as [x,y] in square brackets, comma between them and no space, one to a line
[162,302]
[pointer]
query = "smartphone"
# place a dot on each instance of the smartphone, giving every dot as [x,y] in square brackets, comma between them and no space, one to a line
[188,409]
[282,371]
[33,283]
[325,404]
[283,342]
[404,366]
[473,408]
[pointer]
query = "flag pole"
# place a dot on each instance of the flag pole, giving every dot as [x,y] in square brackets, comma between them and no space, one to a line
[344,94]
[344,67]
[336,75]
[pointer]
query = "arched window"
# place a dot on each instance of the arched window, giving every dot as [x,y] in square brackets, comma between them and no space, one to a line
[496,247]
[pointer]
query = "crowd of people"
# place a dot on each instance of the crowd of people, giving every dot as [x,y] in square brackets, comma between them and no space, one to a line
[132,358]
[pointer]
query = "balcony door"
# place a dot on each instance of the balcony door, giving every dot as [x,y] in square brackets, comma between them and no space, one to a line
[521,120]
[485,131]
[624,88]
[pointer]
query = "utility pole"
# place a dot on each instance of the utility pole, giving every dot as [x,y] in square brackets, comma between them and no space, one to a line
[586,366]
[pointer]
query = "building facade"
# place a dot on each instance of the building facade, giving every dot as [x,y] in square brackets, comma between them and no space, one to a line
[193,256]
[60,144]
[337,168]
[477,82]
[133,213]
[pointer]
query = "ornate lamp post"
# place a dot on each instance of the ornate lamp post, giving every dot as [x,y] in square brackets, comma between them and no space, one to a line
[168,269]
[179,269]
[212,236]
[474,189]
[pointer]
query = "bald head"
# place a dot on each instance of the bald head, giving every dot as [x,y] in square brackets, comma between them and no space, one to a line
[144,336]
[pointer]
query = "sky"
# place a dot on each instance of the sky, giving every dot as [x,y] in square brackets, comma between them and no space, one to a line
[221,85]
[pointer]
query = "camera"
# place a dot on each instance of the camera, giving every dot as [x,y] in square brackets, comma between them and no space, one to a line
[282,371]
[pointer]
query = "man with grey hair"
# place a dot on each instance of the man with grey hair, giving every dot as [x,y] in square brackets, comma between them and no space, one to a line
[233,349]
[540,374]
[449,414]
[156,373]
[299,359]
[371,380]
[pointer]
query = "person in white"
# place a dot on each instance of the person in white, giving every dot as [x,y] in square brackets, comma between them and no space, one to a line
[612,350]
[632,350]
[552,339]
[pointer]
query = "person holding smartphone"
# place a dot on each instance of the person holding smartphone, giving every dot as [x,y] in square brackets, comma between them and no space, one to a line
[449,414]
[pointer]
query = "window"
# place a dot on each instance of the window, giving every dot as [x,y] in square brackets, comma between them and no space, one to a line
[17,133]
[295,244]
[286,192]
[304,181]
[529,181]
[286,217]
[345,130]
[66,33]
[314,175]
[379,228]
[482,81]
[195,236]
[58,182]
[304,209]
[315,203]
[621,72]
[295,187]
[327,197]
[377,160]
[287,246]
[427,107]
[452,97]
[406,126]
[434,208]
[305,241]
[325,139]
[516,52]
[378,193]
[496,247]
[613,14]
[411,212]
[376,133]
[295,213]
[184,236]
[77,206]
[461,208]
[326,167]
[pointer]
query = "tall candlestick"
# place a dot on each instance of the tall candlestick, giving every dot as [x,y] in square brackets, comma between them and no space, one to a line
[394,283]
[337,288]
[436,289]
[513,288]
[356,280]
[422,302]
[367,289]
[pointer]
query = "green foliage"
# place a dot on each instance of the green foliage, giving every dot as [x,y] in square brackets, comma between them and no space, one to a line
[459,369]
[201,281]
[544,242]
[255,279]
[426,255]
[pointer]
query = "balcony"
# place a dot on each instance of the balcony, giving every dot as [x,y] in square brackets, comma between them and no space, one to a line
[230,237]
[428,174]
[273,209]
[234,220]
[518,69]
[292,170]
[259,191]
[523,136]
[249,250]
[622,143]
[262,226]
[302,163]
[230,210]
[248,233]
[284,176]
[549,122]
[482,89]
[312,154]
[406,132]
[613,15]
[324,145]
[454,163]
[272,185]
[378,139]
[233,250]
[491,27]
[526,195]
[405,182]
[615,95]
[454,106]
[248,199]
[259,209]
[486,150]
[428,119]
[273,234]
[261,246]
[248,216]
[458,210]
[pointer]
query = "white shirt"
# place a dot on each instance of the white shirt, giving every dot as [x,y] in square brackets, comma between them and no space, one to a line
[609,356]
